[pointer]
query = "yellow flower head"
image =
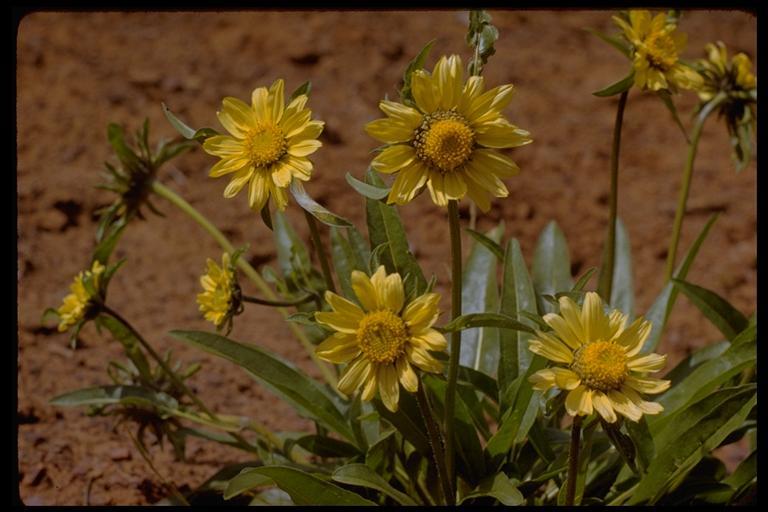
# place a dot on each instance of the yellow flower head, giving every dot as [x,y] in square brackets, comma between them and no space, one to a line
[448,140]
[600,359]
[268,146]
[735,78]
[656,46]
[220,299]
[78,304]
[381,340]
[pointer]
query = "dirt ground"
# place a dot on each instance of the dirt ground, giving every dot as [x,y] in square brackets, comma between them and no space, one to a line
[76,72]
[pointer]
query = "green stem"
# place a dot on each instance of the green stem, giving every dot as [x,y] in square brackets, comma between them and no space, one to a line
[180,385]
[320,250]
[453,368]
[249,271]
[277,303]
[435,442]
[605,281]
[707,109]
[573,462]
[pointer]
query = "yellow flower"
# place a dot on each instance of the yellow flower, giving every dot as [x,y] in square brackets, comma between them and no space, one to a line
[448,140]
[735,78]
[603,370]
[655,52]
[268,146]
[219,300]
[77,305]
[383,339]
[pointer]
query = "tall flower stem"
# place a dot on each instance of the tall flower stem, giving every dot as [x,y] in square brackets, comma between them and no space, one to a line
[436,443]
[685,187]
[247,269]
[257,427]
[453,363]
[573,461]
[605,281]
[321,255]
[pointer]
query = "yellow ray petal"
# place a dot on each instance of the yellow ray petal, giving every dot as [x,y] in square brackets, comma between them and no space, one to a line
[363,288]
[647,363]
[344,306]
[603,406]
[389,389]
[647,385]
[579,402]
[423,91]
[338,348]
[393,158]
[355,375]
[406,375]
[431,339]
[422,312]
[624,406]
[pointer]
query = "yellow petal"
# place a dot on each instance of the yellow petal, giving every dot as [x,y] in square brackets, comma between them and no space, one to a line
[231,125]
[260,104]
[644,406]
[278,194]
[624,406]
[422,312]
[647,363]
[593,318]
[227,166]
[423,91]
[431,339]
[282,175]
[391,294]
[240,113]
[579,402]
[377,280]
[301,167]
[501,134]
[355,375]
[363,288]
[449,79]
[304,148]
[633,337]
[455,187]
[489,105]
[647,385]
[542,380]
[565,378]
[389,131]
[223,146]
[406,375]
[258,191]
[389,389]
[472,89]
[407,184]
[403,114]
[393,158]
[421,358]
[338,321]
[338,348]
[436,186]
[489,160]
[570,312]
[344,306]
[238,182]
[294,121]
[478,194]
[369,388]
[603,406]
[550,348]
[485,179]
[309,131]
[616,322]
[277,100]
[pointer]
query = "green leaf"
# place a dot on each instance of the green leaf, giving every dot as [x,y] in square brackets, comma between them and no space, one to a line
[480,382]
[385,227]
[109,395]
[479,293]
[131,344]
[618,87]
[266,217]
[622,293]
[474,320]
[408,422]
[417,63]
[346,258]
[245,481]
[744,473]
[318,211]
[289,383]
[662,307]
[666,98]
[703,381]
[645,448]
[551,265]
[499,487]
[719,311]
[481,36]
[748,334]
[185,131]
[685,367]
[324,446]
[617,42]
[363,476]
[125,154]
[104,249]
[517,297]
[304,88]
[583,280]
[366,190]
[488,243]
[307,489]
[677,457]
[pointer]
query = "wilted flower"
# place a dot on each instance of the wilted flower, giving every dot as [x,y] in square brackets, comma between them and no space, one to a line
[220,299]
[604,370]
[655,49]
[381,340]
[448,139]
[268,146]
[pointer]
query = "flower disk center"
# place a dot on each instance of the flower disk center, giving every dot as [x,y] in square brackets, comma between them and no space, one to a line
[444,140]
[382,336]
[661,49]
[601,365]
[265,144]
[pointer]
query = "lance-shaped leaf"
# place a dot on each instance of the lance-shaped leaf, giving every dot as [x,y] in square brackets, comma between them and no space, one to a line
[551,265]
[622,293]
[185,131]
[489,243]
[385,227]
[475,320]
[617,42]
[318,211]
[110,395]
[307,489]
[288,382]
[500,487]
[367,190]
[618,87]
[417,63]
[720,312]
[363,476]
[324,446]
[479,293]
[347,257]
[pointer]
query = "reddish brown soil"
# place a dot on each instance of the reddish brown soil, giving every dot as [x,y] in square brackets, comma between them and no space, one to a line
[78,71]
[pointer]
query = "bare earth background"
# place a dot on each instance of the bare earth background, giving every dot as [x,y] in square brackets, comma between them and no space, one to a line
[78,71]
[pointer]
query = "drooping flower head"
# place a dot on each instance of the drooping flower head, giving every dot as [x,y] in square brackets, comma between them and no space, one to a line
[656,46]
[449,139]
[81,303]
[600,362]
[382,339]
[220,299]
[736,81]
[268,145]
